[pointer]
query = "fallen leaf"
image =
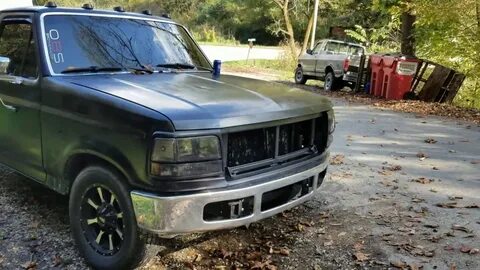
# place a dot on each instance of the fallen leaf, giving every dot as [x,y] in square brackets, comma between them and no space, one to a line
[284,251]
[423,180]
[474,251]
[398,264]
[342,234]
[417,200]
[361,257]
[422,155]
[454,205]
[358,246]
[29,265]
[475,162]
[337,160]
[393,168]
[447,205]
[465,249]
[253,256]
[461,228]
[448,248]
[414,266]
[57,261]
[380,263]
[430,140]
[328,243]
[223,253]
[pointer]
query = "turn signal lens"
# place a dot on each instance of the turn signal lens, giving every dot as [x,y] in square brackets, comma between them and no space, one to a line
[187,170]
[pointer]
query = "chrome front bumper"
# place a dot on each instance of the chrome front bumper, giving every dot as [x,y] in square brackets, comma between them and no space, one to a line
[174,215]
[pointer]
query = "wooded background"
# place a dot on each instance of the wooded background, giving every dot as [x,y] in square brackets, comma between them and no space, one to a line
[443,31]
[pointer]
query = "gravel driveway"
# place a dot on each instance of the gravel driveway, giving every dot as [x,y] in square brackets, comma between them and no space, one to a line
[402,191]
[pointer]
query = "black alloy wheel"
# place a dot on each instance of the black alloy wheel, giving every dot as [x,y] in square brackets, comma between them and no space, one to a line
[102,220]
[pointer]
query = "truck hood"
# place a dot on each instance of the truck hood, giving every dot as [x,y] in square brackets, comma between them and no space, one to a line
[196,101]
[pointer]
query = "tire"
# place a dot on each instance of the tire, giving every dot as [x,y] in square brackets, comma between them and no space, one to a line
[100,202]
[300,78]
[330,83]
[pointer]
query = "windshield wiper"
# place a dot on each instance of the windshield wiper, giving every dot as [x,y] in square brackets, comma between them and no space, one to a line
[182,66]
[142,69]
[93,69]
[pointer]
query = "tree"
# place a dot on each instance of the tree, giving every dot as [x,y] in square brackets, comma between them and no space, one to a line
[286,6]
[408,28]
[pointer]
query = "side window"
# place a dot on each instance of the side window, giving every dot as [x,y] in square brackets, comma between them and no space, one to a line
[17,44]
[317,48]
[332,47]
[343,49]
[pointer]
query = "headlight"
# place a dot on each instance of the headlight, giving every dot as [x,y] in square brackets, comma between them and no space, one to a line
[331,121]
[331,127]
[193,157]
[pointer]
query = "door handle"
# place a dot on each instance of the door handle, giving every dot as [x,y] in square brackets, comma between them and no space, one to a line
[17,81]
[8,107]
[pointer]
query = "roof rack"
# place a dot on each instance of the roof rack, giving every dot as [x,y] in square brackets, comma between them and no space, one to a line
[119,9]
[147,12]
[87,6]
[51,4]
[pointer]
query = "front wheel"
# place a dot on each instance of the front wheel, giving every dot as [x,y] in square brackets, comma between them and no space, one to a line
[103,222]
[299,76]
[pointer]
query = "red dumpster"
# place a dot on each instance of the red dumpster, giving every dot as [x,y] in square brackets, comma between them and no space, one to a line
[376,81]
[389,64]
[401,78]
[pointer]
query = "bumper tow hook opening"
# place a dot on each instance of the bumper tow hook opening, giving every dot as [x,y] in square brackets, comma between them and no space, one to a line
[236,209]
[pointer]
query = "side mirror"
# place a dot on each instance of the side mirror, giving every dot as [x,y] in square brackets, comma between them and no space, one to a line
[4,64]
[309,51]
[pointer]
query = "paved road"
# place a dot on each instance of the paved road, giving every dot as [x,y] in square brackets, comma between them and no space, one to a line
[378,181]
[235,53]
[370,203]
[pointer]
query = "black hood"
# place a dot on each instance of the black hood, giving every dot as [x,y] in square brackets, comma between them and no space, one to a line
[196,101]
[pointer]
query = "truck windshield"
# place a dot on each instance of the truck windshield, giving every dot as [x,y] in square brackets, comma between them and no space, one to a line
[85,42]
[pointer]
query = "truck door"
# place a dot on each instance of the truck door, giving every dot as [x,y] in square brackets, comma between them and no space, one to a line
[326,57]
[20,133]
[310,60]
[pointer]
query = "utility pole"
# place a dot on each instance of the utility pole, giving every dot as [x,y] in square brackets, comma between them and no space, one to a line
[314,29]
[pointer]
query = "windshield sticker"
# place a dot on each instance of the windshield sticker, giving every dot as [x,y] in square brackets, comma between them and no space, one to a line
[55,47]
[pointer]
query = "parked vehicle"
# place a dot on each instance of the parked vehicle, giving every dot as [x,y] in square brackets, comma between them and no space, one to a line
[120,111]
[328,61]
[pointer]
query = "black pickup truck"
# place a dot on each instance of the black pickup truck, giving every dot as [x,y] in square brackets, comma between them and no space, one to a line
[121,112]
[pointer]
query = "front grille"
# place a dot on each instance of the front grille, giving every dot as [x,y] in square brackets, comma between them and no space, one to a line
[261,149]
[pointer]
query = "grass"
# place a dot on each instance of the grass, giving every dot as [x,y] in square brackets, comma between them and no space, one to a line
[280,68]
[237,44]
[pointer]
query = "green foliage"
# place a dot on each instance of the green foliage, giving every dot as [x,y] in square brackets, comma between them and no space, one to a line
[276,67]
[447,31]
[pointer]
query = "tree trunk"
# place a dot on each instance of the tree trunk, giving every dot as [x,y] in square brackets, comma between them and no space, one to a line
[290,32]
[408,33]
[306,39]
[476,97]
